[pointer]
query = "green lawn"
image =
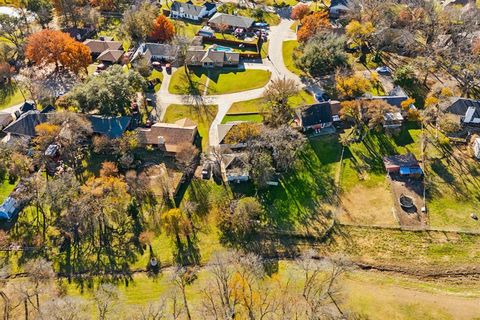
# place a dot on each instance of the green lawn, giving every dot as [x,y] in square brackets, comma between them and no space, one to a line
[294,26]
[10,96]
[281,2]
[363,162]
[243,117]
[221,81]
[453,192]
[256,105]
[288,50]
[301,200]
[202,115]
[264,50]
[156,75]
[186,29]
[5,190]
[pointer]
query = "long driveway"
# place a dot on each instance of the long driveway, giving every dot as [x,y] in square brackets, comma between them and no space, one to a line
[274,64]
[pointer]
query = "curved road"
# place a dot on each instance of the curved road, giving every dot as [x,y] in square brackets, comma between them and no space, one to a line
[275,64]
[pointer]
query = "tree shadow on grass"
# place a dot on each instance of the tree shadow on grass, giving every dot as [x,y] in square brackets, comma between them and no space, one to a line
[7,90]
[301,193]
[404,138]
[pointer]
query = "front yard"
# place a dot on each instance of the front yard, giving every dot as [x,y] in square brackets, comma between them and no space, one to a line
[256,105]
[288,51]
[202,115]
[217,81]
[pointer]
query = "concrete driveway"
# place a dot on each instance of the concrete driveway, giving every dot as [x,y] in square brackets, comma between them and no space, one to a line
[274,63]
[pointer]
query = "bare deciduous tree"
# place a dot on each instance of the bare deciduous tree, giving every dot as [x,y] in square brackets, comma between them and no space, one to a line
[106,297]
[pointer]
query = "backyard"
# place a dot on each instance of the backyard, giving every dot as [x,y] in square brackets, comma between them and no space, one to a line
[366,196]
[202,115]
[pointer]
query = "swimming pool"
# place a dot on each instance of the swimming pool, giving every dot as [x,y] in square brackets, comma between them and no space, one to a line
[221,48]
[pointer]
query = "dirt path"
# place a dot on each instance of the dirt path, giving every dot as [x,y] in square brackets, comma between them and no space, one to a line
[385,299]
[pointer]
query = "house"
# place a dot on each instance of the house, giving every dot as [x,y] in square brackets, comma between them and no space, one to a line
[338,8]
[392,120]
[80,34]
[464,111]
[317,116]
[109,57]
[14,203]
[111,127]
[106,49]
[395,98]
[5,119]
[160,52]
[232,21]
[403,164]
[9,209]
[211,58]
[187,10]
[476,148]
[235,167]
[169,137]
[206,32]
[24,126]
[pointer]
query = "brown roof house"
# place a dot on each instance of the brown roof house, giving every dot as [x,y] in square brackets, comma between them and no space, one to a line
[106,49]
[169,137]
[211,58]
[111,56]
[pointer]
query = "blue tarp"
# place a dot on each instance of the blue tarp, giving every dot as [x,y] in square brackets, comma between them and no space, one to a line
[410,170]
[8,209]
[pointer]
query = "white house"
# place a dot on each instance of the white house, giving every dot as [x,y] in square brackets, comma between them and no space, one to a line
[187,10]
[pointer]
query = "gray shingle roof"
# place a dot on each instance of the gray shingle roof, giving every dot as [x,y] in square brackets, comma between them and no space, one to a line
[25,125]
[187,8]
[231,20]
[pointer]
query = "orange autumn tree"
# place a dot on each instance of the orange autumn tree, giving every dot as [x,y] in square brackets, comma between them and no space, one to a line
[163,29]
[312,24]
[300,11]
[51,46]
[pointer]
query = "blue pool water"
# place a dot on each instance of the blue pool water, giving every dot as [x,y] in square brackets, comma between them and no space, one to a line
[222,48]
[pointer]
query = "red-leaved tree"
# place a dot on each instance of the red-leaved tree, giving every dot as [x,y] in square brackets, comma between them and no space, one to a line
[312,24]
[51,46]
[163,29]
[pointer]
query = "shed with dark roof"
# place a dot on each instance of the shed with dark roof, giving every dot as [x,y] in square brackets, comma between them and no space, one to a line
[112,127]
[405,164]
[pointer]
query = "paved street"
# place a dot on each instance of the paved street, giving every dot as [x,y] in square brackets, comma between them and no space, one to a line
[275,64]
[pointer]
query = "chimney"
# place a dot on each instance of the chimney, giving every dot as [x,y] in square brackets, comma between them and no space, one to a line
[161,141]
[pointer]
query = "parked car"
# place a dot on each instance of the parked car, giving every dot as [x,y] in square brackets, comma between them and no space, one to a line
[206,171]
[384,70]
[260,24]
[157,66]
[322,97]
